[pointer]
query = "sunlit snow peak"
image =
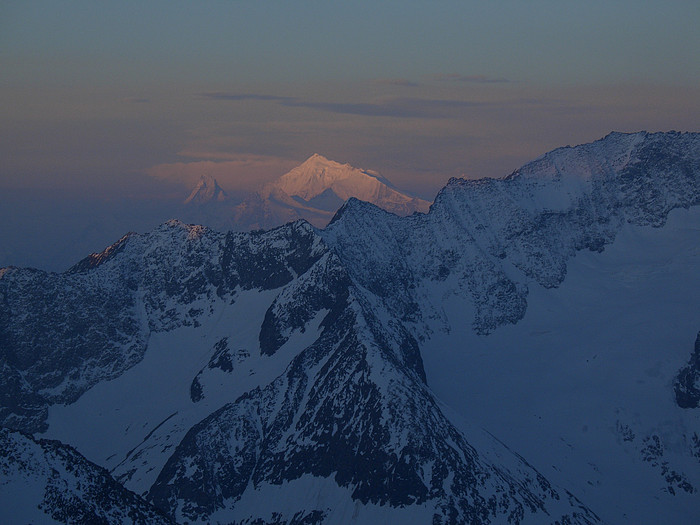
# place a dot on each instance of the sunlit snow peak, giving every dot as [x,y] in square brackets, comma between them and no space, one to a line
[207,190]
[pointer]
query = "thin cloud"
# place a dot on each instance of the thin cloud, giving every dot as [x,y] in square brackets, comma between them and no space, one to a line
[401,82]
[136,100]
[205,154]
[397,107]
[222,95]
[476,79]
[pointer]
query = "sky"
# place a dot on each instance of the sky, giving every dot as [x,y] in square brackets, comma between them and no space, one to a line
[110,111]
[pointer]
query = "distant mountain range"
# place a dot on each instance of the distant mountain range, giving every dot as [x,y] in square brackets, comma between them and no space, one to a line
[206,191]
[527,352]
[313,191]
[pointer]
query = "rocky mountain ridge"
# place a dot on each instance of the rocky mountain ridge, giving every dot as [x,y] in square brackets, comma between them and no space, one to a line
[303,348]
[51,481]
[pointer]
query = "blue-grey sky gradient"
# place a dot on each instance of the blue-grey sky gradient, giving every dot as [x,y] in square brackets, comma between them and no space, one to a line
[103,100]
[541,41]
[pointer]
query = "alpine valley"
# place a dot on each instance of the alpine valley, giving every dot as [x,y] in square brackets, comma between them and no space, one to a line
[526,352]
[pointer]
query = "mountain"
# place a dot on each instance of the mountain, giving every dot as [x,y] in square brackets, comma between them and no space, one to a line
[235,338]
[525,353]
[206,191]
[272,208]
[324,184]
[45,481]
[313,191]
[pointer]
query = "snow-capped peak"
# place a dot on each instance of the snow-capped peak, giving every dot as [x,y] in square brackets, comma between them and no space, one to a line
[207,190]
[319,176]
[317,160]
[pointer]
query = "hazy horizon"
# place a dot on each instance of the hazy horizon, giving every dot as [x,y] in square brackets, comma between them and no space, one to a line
[97,98]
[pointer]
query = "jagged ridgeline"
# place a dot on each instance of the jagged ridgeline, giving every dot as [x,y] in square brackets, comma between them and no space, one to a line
[279,376]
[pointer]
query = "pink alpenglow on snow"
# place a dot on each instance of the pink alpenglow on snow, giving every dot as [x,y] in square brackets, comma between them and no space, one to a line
[312,191]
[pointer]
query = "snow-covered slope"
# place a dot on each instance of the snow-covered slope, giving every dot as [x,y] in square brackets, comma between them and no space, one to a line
[588,379]
[45,481]
[351,405]
[583,385]
[393,369]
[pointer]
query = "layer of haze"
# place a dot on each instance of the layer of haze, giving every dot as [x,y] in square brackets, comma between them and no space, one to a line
[110,111]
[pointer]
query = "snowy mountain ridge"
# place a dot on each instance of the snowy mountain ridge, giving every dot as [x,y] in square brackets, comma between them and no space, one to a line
[312,191]
[304,364]
[52,483]
[498,235]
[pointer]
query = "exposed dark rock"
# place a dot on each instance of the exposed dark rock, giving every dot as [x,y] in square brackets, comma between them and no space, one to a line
[687,383]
